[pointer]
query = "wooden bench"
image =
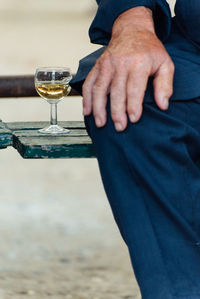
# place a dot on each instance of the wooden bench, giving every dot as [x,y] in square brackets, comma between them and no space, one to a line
[23,136]
[26,139]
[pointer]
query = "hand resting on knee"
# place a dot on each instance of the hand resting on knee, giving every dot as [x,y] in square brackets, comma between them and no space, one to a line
[133,54]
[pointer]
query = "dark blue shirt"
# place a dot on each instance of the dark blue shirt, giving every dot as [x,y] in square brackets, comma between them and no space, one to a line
[180,36]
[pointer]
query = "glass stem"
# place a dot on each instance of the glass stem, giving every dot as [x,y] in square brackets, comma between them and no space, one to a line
[53,114]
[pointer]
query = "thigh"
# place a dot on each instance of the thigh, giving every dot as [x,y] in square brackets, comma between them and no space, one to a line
[163,146]
[150,175]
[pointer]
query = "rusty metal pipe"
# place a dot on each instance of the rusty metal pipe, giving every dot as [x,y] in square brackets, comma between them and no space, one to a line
[21,86]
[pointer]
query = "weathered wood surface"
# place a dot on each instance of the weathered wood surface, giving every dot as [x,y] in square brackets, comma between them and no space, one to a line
[21,86]
[40,124]
[5,136]
[33,145]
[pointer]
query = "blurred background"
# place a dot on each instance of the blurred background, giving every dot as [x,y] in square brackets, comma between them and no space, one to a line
[58,235]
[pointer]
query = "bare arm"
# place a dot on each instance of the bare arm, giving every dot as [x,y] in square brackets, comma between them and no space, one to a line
[134,53]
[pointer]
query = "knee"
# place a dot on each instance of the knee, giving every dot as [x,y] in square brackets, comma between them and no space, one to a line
[144,134]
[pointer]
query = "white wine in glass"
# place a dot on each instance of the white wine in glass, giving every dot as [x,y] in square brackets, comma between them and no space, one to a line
[52,84]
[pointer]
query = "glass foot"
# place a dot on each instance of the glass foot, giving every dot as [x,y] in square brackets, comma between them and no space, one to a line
[54,130]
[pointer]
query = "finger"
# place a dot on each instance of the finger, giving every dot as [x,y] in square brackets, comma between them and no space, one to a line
[118,100]
[136,87]
[163,85]
[87,90]
[99,95]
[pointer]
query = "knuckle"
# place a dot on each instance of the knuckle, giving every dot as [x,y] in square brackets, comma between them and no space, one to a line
[132,93]
[170,67]
[96,113]
[136,61]
[139,56]
[98,106]
[96,87]
[121,62]
[114,94]
[139,60]
[115,116]
[132,109]
[117,102]
[105,62]
[99,112]
[136,93]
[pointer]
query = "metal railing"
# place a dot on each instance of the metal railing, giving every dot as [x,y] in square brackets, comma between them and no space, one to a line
[21,86]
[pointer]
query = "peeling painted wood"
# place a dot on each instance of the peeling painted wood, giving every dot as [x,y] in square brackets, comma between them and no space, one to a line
[6,138]
[33,145]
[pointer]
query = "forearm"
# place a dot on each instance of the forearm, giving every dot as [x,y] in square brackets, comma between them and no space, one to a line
[136,18]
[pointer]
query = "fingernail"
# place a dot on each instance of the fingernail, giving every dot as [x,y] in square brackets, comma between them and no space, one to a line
[98,122]
[132,117]
[118,126]
[166,102]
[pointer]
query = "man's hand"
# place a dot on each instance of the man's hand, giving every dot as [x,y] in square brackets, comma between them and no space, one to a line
[133,54]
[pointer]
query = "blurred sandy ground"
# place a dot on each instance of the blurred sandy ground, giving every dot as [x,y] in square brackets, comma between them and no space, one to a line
[58,235]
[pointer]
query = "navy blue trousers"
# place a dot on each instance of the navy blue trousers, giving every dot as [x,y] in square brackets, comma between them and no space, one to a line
[152,181]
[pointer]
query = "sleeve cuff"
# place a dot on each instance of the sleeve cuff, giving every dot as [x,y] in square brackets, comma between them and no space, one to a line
[101,28]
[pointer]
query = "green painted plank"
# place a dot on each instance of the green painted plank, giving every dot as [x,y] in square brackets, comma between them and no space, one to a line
[5,136]
[33,145]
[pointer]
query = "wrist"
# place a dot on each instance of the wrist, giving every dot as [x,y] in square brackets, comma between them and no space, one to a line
[137,18]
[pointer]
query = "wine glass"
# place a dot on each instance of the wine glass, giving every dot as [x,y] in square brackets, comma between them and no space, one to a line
[52,84]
